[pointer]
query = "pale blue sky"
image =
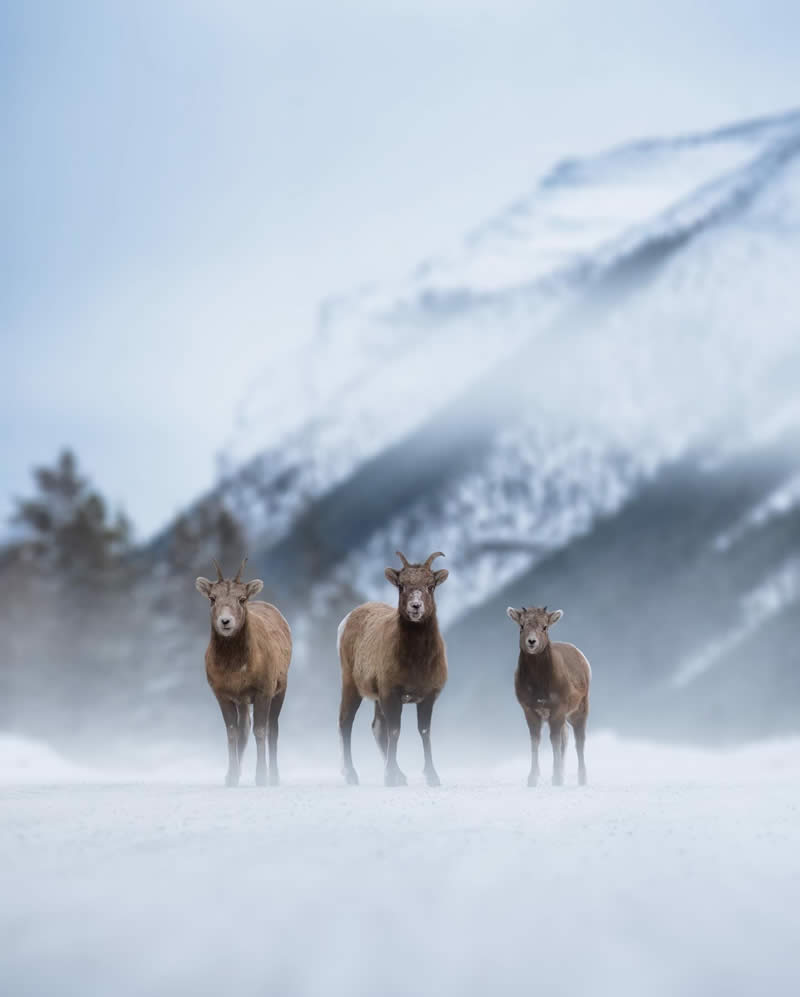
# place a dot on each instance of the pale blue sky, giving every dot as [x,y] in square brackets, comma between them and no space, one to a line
[182,182]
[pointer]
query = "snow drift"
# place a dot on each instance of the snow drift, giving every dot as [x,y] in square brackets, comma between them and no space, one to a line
[673,872]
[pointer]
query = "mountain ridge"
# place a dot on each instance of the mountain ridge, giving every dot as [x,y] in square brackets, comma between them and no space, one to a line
[508,428]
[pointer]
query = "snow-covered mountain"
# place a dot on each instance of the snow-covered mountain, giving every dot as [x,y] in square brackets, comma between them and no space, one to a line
[522,268]
[630,324]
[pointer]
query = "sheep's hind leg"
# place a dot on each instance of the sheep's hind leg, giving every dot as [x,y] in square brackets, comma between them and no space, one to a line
[274,712]
[261,706]
[351,700]
[231,717]
[424,714]
[392,709]
[379,730]
[579,727]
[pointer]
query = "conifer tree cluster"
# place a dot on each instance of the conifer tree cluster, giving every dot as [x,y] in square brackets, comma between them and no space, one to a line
[97,628]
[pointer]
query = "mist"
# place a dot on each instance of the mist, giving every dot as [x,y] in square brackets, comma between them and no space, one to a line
[518,286]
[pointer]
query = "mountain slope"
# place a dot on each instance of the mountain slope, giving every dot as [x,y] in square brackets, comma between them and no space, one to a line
[614,356]
[382,364]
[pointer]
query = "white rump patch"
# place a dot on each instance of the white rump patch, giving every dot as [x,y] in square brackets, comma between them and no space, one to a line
[339,632]
[580,652]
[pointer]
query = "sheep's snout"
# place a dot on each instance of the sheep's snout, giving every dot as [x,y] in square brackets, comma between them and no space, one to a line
[225,621]
[415,605]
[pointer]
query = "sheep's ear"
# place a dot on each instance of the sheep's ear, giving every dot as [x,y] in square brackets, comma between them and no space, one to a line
[254,587]
[393,576]
[514,614]
[203,586]
[440,576]
[554,617]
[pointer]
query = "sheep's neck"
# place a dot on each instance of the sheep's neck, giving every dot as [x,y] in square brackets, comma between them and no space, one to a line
[232,652]
[538,670]
[418,641]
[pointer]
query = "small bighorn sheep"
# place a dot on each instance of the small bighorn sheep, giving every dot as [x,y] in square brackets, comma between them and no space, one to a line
[394,656]
[247,661]
[552,683]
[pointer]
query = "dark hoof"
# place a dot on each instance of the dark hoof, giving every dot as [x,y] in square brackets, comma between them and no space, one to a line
[533,780]
[395,778]
[432,779]
[351,777]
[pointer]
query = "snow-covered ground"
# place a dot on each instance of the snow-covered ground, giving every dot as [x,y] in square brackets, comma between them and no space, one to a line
[675,872]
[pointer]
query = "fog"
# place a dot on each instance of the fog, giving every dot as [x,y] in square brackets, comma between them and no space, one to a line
[594,407]
[516,285]
[672,872]
[185,183]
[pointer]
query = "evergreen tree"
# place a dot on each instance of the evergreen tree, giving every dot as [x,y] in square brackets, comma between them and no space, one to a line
[182,552]
[229,537]
[209,530]
[65,529]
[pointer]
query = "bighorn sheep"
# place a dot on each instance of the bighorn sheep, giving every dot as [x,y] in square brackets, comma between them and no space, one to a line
[394,656]
[552,683]
[247,661]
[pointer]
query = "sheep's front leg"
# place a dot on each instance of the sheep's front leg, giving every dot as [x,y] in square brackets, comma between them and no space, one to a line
[424,714]
[392,708]
[244,729]
[230,715]
[557,740]
[260,718]
[535,729]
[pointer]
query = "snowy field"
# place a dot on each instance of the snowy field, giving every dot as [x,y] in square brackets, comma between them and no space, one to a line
[675,872]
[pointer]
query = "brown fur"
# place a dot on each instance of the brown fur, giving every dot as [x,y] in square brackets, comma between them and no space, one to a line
[552,685]
[394,656]
[255,662]
[248,666]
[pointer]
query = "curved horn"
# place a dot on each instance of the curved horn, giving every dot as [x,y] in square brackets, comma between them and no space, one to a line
[402,557]
[436,553]
[238,577]
[220,576]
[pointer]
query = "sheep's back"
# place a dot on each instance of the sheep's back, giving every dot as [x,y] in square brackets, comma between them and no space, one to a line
[272,640]
[367,640]
[575,664]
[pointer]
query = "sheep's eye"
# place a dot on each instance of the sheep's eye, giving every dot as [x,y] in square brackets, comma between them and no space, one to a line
[243,599]
[211,599]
